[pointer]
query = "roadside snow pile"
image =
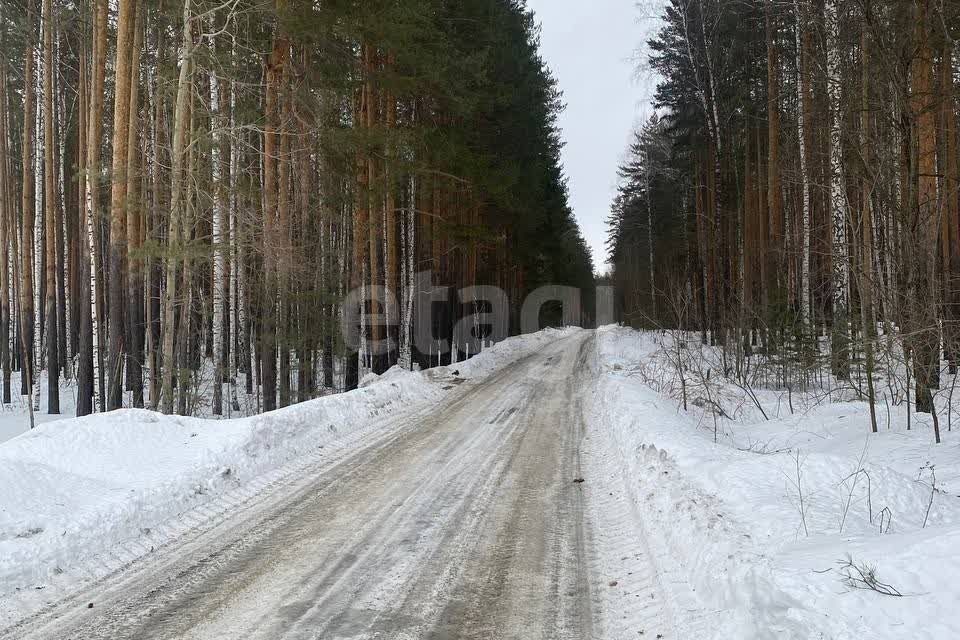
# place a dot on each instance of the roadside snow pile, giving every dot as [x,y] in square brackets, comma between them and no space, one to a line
[82,496]
[751,537]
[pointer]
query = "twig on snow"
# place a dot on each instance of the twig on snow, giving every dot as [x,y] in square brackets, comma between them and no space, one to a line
[864,576]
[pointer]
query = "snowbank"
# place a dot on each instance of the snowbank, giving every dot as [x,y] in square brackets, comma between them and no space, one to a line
[83,496]
[724,521]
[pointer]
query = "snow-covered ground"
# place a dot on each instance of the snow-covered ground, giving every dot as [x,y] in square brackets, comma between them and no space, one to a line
[748,537]
[15,417]
[83,497]
[703,524]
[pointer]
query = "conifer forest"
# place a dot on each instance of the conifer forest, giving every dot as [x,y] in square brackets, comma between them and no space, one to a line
[190,188]
[795,197]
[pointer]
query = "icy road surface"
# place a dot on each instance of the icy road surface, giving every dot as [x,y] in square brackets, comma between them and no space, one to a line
[461,522]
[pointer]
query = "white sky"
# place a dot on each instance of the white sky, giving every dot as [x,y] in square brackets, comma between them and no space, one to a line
[591,48]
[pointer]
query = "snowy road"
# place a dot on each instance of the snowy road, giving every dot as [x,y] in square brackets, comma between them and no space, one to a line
[460,523]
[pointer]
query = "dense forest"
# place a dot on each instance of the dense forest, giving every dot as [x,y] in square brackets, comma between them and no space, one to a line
[796,196]
[189,190]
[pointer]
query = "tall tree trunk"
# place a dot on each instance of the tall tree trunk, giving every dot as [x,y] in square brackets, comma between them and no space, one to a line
[750,240]
[839,207]
[90,390]
[118,202]
[271,234]
[774,195]
[27,373]
[80,293]
[312,231]
[926,353]
[866,282]
[391,256]
[803,123]
[374,215]
[39,248]
[177,203]
[360,228]
[763,226]
[154,271]
[237,334]
[6,214]
[187,336]
[64,198]
[283,233]
[951,209]
[648,201]
[50,200]
[219,223]
[135,216]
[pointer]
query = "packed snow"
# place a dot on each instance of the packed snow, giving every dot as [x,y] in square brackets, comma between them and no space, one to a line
[753,536]
[83,497]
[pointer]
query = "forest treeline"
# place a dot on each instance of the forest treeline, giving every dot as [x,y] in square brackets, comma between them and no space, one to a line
[796,193]
[196,185]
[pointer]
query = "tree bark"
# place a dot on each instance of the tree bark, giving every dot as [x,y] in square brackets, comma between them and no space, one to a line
[839,206]
[803,124]
[90,382]
[774,195]
[174,239]
[391,257]
[134,222]
[866,283]
[6,213]
[28,195]
[271,239]
[951,209]
[374,216]
[50,229]
[926,352]
[219,223]
[118,201]
[284,230]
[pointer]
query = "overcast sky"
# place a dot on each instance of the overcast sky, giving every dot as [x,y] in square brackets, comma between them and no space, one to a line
[591,48]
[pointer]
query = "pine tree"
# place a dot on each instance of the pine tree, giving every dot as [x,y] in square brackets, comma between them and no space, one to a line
[384,139]
[50,216]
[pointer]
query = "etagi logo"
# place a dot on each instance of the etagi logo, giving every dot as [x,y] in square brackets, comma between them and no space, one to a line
[377,307]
